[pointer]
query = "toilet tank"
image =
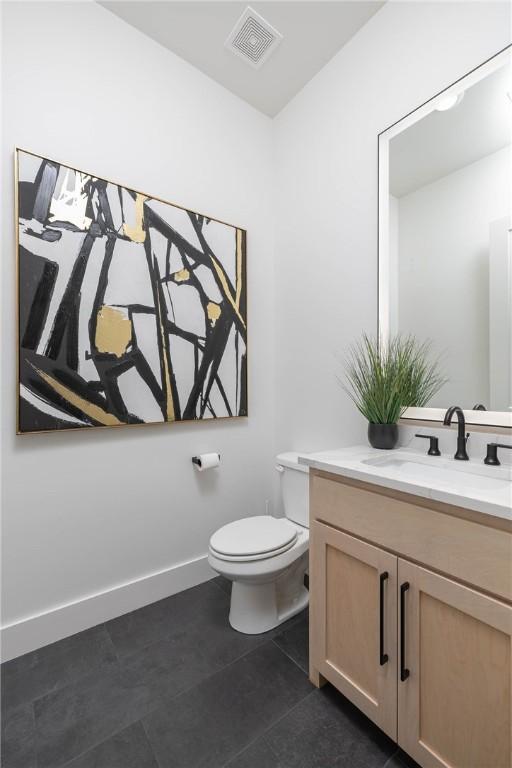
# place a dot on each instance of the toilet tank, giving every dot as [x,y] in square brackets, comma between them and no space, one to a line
[294,488]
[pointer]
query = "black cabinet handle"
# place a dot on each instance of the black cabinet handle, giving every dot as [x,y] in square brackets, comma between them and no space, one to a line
[404,672]
[383,657]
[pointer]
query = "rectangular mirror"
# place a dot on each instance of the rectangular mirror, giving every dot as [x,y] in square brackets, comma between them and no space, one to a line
[445,244]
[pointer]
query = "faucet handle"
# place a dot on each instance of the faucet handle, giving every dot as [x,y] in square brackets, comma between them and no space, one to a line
[492,454]
[434,444]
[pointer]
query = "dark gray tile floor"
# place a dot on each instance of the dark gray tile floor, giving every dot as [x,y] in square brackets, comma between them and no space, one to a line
[173,686]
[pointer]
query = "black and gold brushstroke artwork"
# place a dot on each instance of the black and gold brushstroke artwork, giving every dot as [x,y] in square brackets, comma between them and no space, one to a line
[131,310]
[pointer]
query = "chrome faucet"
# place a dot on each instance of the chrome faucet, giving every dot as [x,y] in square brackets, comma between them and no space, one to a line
[461,452]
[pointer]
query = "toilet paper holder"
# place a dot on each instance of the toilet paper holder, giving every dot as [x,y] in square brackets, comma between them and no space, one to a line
[197,460]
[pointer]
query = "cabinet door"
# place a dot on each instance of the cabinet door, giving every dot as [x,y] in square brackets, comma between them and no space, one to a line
[353,622]
[454,687]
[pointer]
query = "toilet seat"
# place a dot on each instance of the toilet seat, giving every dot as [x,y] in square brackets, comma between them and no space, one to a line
[253,538]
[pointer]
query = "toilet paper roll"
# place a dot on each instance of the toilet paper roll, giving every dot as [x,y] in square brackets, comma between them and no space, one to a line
[206,461]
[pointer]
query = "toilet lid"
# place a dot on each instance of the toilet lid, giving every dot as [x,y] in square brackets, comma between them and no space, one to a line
[254,536]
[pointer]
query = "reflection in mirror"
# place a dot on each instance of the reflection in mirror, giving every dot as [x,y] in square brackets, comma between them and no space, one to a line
[449,231]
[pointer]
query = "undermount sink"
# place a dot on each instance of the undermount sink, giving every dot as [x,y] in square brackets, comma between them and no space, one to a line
[425,469]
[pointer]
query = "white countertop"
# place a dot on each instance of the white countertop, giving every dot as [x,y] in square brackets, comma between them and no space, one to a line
[468,484]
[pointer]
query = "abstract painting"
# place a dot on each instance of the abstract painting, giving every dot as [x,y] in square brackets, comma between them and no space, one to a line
[132,310]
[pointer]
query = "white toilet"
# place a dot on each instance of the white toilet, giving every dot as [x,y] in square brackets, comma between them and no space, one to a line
[266,557]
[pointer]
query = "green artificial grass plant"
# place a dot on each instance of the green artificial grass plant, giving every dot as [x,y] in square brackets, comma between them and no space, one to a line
[385,378]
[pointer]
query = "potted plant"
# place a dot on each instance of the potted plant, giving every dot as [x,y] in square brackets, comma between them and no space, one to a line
[385,378]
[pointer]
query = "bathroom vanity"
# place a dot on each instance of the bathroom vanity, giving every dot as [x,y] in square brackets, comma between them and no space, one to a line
[410,599]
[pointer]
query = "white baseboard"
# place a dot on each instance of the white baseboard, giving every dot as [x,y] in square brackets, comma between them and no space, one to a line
[35,631]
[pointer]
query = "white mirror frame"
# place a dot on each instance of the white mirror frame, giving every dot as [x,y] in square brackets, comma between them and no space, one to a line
[501,420]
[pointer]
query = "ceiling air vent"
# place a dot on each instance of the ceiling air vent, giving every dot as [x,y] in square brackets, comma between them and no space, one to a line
[253,38]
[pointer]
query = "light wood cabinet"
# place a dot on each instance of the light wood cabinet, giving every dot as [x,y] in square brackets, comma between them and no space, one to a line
[354,613]
[454,708]
[426,657]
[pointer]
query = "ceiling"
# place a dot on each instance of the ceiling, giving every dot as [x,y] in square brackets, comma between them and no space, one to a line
[443,142]
[312,33]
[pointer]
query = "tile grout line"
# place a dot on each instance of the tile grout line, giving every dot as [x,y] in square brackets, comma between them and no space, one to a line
[116,665]
[267,730]
[157,761]
[262,735]
[153,709]
[304,671]
[392,757]
[104,625]
[118,661]
[118,669]
[214,581]
[32,702]
[99,743]
[140,720]
[107,667]
[34,745]
[123,659]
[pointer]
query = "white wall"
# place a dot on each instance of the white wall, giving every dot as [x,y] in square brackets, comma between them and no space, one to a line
[85,512]
[326,234]
[443,273]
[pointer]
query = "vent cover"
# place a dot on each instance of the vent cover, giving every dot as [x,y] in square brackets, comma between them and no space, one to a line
[253,38]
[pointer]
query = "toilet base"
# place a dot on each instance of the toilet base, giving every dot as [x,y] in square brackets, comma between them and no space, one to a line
[259,607]
[254,608]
